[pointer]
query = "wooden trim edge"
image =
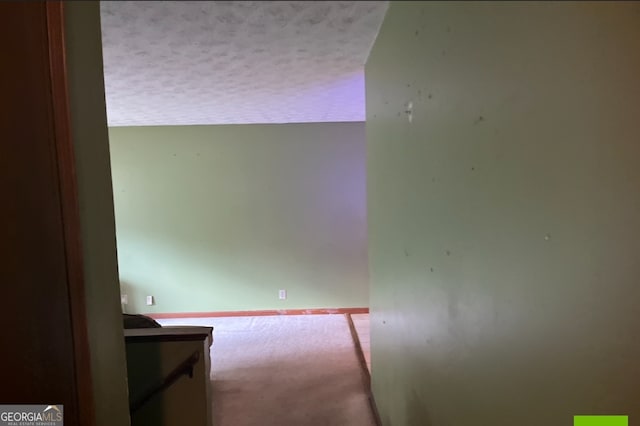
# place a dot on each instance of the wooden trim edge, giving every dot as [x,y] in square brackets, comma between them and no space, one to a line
[374,409]
[366,375]
[70,210]
[268,312]
[359,352]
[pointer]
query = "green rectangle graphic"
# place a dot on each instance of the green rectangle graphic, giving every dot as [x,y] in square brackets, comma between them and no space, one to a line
[600,420]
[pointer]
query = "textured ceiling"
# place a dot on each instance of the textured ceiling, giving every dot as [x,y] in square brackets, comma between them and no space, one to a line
[229,62]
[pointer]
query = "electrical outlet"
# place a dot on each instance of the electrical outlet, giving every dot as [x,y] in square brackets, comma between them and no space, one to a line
[150,300]
[282,294]
[124,299]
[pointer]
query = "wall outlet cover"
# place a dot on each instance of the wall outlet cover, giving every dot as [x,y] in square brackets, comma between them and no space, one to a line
[282,294]
[149,300]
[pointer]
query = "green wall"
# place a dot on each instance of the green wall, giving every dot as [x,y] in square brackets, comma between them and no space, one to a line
[91,146]
[504,219]
[219,218]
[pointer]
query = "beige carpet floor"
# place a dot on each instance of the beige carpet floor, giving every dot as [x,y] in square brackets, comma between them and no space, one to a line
[290,370]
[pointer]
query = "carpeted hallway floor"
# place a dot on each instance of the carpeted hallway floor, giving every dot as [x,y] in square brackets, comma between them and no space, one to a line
[290,370]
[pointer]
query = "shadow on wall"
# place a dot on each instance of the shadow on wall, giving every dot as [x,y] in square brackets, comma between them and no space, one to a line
[417,414]
[132,295]
[144,371]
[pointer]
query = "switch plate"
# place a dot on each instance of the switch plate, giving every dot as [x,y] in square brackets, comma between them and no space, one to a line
[149,300]
[124,299]
[282,294]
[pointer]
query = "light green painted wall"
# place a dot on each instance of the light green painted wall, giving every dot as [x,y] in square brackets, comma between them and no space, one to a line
[504,220]
[219,218]
[91,146]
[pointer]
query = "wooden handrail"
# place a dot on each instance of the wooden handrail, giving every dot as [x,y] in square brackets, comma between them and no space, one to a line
[184,368]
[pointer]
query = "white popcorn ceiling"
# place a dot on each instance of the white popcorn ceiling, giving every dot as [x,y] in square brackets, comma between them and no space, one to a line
[231,62]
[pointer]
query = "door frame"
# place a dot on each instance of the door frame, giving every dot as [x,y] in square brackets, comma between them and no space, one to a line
[68,190]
